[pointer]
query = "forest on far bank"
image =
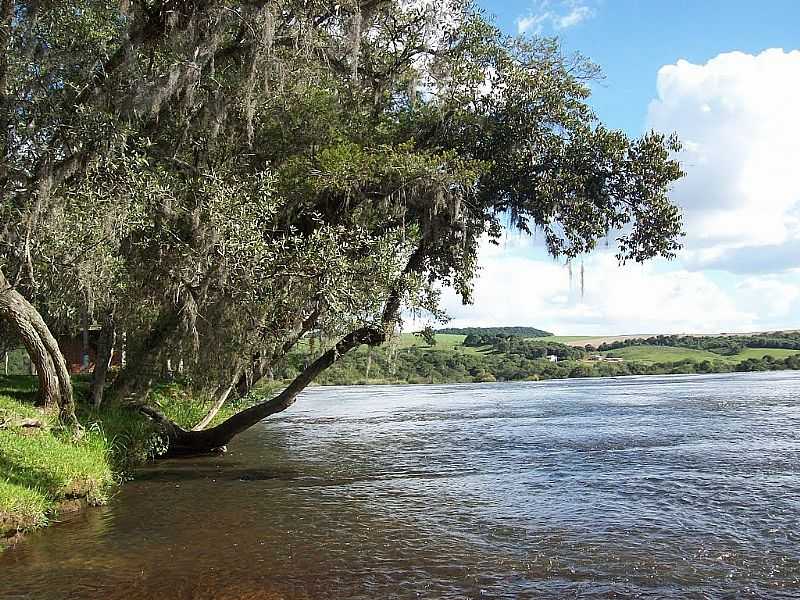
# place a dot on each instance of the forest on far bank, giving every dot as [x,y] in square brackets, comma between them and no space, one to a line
[487,357]
[511,354]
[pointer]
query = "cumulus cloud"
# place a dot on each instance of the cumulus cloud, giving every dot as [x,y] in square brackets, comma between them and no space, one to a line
[738,118]
[769,295]
[519,287]
[577,14]
[737,115]
[547,14]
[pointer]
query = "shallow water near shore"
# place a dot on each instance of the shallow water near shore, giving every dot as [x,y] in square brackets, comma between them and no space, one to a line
[642,487]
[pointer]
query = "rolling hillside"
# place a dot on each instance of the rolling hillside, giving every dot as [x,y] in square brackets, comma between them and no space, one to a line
[662,354]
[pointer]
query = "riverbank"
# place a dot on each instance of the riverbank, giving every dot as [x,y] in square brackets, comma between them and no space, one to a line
[42,467]
[664,487]
[46,470]
[451,361]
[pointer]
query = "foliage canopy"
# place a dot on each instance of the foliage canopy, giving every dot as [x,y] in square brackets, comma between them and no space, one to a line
[218,179]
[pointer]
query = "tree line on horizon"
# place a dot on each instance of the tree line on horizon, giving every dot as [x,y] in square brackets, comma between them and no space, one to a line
[725,345]
[495,331]
[515,359]
[515,344]
[421,366]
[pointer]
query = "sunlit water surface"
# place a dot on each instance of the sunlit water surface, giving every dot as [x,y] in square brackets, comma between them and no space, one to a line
[652,487]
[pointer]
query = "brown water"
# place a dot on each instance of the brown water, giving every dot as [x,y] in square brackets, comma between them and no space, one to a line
[685,487]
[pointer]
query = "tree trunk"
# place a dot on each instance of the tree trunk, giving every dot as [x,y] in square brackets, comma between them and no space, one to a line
[258,369]
[42,365]
[66,400]
[105,352]
[208,440]
[215,438]
[222,394]
[261,364]
[143,361]
[55,387]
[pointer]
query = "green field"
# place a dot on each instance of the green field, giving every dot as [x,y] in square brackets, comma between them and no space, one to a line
[662,354]
[761,352]
[565,339]
[448,342]
[645,353]
[582,340]
[444,342]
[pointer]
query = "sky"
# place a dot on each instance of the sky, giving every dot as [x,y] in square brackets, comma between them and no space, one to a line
[723,75]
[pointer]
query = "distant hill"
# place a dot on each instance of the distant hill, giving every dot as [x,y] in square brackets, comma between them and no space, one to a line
[515,331]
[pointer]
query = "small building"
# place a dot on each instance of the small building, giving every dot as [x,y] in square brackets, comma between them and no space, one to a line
[552,358]
[82,359]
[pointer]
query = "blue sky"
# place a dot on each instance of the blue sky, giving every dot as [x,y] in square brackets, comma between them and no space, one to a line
[726,77]
[632,39]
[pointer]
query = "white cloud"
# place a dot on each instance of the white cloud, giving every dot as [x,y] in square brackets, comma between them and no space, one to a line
[738,118]
[770,295]
[737,115]
[516,288]
[547,14]
[531,23]
[577,15]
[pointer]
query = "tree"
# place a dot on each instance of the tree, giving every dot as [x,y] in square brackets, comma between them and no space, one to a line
[265,169]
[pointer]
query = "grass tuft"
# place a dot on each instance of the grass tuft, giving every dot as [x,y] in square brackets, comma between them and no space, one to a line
[42,466]
[21,508]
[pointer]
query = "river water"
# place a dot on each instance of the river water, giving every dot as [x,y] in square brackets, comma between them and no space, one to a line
[651,487]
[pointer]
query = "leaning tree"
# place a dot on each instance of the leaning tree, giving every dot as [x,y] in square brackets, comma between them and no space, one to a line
[217,180]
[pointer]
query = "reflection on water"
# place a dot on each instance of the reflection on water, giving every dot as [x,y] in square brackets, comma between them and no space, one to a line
[630,488]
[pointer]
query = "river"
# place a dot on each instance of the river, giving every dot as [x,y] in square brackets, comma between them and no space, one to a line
[640,487]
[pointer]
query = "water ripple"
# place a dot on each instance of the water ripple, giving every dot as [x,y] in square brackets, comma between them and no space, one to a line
[668,487]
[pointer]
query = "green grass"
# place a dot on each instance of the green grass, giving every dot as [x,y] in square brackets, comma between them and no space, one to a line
[445,342]
[21,508]
[10,408]
[655,354]
[187,410]
[42,466]
[18,393]
[761,352]
[662,354]
[53,464]
[39,467]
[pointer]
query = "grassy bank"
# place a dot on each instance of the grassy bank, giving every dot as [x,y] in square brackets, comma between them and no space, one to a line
[41,465]
[44,469]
